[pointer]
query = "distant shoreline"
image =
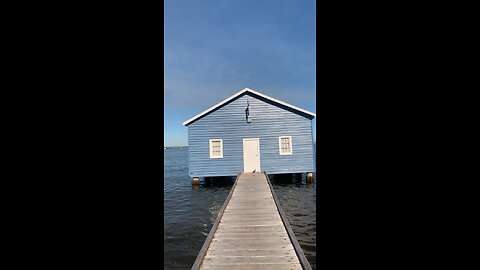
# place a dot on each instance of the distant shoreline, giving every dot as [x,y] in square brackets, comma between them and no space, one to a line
[168,147]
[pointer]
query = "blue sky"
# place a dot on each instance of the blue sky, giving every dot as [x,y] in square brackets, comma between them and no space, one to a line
[215,48]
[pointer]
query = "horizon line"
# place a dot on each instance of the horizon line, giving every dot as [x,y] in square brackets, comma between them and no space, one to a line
[187,145]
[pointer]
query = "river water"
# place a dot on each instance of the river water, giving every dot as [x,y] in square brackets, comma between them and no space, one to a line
[189,211]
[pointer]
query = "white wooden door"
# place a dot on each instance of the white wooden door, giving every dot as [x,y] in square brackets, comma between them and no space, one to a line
[251,155]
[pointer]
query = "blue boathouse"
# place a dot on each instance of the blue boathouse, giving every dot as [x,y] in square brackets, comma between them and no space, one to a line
[250,132]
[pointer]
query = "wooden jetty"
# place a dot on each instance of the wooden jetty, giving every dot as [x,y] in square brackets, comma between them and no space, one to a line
[251,231]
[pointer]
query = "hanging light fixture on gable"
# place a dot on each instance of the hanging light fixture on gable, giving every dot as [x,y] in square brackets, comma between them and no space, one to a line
[247,113]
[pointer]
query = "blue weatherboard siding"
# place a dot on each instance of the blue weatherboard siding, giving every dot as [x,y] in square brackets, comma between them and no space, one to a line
[269,121]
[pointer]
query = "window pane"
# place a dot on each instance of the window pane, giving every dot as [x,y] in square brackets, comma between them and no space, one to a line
[215,148]
[285,145]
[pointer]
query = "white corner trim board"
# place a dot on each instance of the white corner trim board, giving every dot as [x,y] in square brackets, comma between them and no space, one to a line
[239,93]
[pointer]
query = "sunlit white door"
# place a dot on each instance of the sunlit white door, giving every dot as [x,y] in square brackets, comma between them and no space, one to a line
[251,155]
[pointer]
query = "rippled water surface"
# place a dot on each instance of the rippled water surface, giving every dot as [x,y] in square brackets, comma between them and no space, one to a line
[189,212]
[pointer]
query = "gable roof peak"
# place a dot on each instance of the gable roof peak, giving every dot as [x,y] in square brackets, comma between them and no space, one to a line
[239,93]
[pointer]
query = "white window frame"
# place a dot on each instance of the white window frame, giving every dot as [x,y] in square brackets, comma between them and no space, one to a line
[211,149]
[280,145]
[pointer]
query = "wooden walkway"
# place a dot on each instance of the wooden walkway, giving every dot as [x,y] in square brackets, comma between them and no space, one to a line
[251,231]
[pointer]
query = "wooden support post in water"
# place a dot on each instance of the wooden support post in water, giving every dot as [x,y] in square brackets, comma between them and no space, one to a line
[195,181]
[309,177]
[208,180]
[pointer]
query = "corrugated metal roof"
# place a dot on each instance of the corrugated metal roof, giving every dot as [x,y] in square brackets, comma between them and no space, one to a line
[196,117]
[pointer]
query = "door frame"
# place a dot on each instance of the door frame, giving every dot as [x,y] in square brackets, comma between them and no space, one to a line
[258,147]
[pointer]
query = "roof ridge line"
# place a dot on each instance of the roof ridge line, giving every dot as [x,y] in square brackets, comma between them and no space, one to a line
[241,92]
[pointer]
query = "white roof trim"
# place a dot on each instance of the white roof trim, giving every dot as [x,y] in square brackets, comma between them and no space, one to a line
[239,93]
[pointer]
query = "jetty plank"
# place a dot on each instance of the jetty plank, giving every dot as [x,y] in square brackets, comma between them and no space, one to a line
[288,266]
[251,231]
